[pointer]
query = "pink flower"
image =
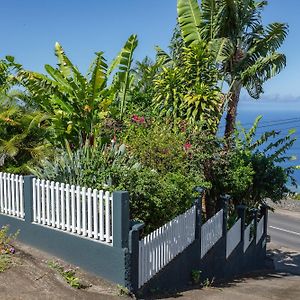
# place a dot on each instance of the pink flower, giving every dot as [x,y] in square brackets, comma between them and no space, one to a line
[135,118]
[12,250]
[142,120]
[187,146]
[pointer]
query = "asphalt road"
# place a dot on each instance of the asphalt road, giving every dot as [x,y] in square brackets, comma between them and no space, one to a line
[284,229]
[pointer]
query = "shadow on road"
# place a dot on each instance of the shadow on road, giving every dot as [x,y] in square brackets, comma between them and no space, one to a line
[280,264]
[286,261]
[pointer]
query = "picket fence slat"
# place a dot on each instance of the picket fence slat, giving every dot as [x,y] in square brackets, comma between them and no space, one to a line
[159,247]
[248,237]
[233,237]
[211,232]
[260,229]
[11,195]
[73,209]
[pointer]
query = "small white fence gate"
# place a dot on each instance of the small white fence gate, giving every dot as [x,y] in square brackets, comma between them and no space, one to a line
[159,247]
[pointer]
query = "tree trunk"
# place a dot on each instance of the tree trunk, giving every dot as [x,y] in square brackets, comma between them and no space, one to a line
[232,109]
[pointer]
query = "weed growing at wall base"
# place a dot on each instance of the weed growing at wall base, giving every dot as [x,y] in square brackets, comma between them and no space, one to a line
[6,248]
[68,275]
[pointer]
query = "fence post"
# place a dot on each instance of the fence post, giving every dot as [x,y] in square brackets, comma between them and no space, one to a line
[134,238]
[120,219]
[264,212]
[225,200]
[254,214]
[28,198]
[241,210]
[198,204]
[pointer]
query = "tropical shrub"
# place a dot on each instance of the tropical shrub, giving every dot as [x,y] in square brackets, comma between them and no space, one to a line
[267,154]
[23,138]
[155,196]
[186,89]
[79,104]
[156,145]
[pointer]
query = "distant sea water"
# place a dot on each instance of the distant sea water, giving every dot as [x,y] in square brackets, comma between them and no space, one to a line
[279,120]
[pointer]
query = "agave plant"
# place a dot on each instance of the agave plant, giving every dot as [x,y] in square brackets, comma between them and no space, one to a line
[78,103]
[90,165]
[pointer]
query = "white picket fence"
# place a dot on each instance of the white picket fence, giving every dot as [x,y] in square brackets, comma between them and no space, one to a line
[233,237]
[260,229]
[159,247]
[211,232]
[74,209]
[11,195]
[247,236]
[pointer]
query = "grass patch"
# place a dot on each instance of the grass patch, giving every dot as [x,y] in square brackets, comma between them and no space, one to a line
[69,275]
[5,262]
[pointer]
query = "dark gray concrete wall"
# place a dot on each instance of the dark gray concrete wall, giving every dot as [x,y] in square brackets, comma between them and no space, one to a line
[100,259]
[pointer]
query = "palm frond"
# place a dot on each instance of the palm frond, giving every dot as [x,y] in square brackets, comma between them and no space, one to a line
[189,18]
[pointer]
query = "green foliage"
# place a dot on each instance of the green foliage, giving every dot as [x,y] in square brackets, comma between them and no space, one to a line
[187,89]
[156,198]
[196,276]
[245,50]
[264,154]
[5,262]
[123,291]
[225,171]
[157,146]
[91,166]
[76,103]
[189,18]
[68,275]
[142,91]
[6,248]
[6,239]
[23,135]
[159,190]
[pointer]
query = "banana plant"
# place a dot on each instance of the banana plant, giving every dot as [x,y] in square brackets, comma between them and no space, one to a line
[79,104]
[124,77]
[245,49]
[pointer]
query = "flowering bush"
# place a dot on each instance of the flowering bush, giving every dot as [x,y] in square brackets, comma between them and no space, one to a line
[6,248]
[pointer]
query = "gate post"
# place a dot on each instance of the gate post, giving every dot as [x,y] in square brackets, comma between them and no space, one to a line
[225,200]
[254,214]
[264,211]
[134,238]
[120,215]
[28,198]
[198,204]
[241,210]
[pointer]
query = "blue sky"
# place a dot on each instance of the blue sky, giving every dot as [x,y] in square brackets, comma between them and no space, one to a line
[30,28]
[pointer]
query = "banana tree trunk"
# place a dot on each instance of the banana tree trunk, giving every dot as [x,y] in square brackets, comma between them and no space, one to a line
[232,109]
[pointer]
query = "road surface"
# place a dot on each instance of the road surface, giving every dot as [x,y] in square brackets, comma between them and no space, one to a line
[284,229]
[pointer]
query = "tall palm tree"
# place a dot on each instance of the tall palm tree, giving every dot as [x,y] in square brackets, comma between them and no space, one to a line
[245,49]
